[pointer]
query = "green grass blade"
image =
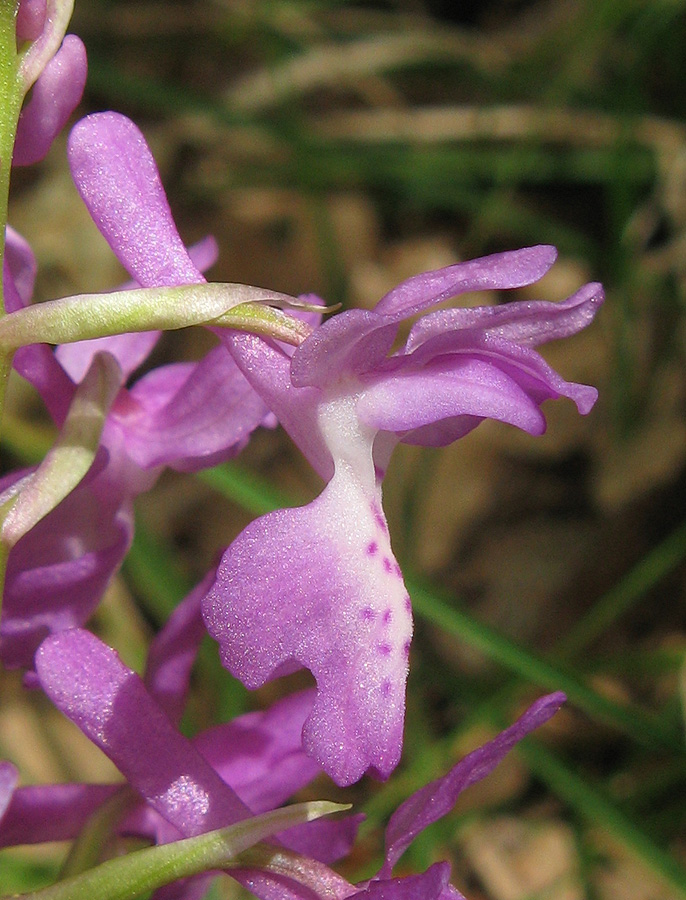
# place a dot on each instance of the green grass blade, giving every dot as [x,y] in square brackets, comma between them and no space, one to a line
[152,571]
[633,586]
[599,810]
[646,729]
[244,488]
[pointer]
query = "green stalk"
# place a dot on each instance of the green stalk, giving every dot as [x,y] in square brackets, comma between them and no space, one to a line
[11,97]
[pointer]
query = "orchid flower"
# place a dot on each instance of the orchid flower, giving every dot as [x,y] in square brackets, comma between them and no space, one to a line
[319,586]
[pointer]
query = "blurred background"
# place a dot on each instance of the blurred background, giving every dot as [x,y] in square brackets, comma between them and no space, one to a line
[338,148]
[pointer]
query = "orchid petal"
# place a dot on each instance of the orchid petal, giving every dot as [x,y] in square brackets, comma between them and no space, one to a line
[320,585]
[260,753]
[8,782]
[173,651]
[36,363]
[353,342]
[282,875]
[441,433]
[524,365]
[528,323]
[54,812]
[87,681]
[512,269]
[45,46]
[130,350]
[186,889]
[30,19]
[437,798]
[430,885]
[324,840]
[55,96]
[454,379]
[204,253]
[57,573]
[116,175]
[22,268]
[191,415]
[450,387]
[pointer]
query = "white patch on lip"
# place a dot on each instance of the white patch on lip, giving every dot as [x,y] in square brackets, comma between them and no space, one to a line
[379,614]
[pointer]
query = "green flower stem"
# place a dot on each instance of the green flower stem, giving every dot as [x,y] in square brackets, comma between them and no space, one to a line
[86,316]
[11,97]
[126,877]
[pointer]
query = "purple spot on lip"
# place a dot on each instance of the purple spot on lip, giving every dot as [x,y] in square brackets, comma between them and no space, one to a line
[387,564]
[384,649]
[368,614]
[379,518]
[398,571]
[386,687]
[387,616]
[408,604]
[406,648]
[372,548]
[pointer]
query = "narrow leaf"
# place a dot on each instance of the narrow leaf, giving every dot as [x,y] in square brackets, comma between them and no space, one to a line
[126,877]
